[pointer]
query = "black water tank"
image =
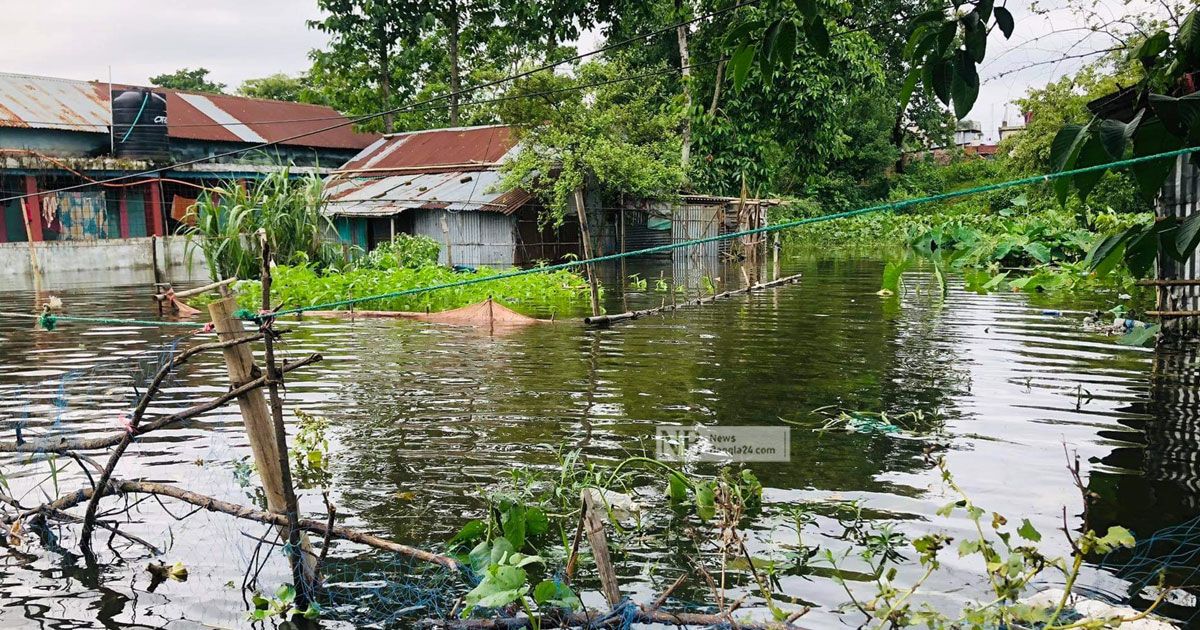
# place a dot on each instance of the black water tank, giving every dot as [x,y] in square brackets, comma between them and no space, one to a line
[140,125]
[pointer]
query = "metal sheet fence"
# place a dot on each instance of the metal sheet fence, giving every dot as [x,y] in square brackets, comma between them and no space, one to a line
[469,238]
[1180,199]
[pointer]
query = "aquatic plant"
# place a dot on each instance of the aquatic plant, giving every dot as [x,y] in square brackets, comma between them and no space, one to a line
[308,285]
[224,220]
[404,250]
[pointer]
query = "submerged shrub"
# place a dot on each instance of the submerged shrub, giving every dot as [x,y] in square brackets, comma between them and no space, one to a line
[404,250]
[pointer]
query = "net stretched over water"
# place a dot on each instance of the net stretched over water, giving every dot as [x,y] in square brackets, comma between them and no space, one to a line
[1169,558]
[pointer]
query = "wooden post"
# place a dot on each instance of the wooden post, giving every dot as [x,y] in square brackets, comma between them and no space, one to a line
[585,239]
[260,430]
[123,208]
[594,527]
[156,225]
[32,211]
[33,262]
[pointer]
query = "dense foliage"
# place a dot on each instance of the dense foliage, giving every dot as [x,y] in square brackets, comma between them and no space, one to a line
[410,262]
[225,221]
[188,80]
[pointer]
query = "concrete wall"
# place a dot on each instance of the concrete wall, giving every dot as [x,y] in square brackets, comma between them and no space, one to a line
[83,262]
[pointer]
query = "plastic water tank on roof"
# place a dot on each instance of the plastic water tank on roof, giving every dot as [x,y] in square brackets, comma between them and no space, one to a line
[140,125]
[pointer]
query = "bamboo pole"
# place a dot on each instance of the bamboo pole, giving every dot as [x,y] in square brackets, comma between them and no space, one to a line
[33,262]
[260,430]
[198,290]
[303,572]
[604,320]
[585,239]
[594,528]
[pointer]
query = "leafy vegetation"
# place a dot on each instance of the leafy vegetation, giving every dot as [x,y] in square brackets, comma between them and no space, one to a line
[524,539]
[188,80]
[409,263]
[225,220]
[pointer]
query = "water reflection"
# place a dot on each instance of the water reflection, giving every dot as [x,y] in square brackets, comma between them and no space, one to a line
[425,415]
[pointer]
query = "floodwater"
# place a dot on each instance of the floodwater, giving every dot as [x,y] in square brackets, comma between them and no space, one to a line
[425,417]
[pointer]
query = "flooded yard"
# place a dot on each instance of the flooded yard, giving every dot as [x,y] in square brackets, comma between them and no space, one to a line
[423,418]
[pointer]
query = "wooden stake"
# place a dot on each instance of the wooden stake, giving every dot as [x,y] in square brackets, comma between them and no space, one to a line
[585,239]
[594,527]
[260,430]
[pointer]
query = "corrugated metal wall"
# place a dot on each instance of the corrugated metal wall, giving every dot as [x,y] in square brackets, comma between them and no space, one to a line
[692,222]
[1179,199]
[470,238]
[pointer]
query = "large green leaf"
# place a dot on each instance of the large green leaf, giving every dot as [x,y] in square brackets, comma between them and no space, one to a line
[919,42]
[1151,138]
[1106,251]
[1152,47]
[738,35]
[946,37]
[964,86]
[818,35]
[1115,135]
[1005,21]
[513,523]
[808,8]
[975,38]
[739,64]
[1091,154]
[1039,251]
[1188,37]
[784,48]
[1181,116]
[909,86]
[1064,150]
[1141,250]
[556,594]
[984,9]
[938,73]
[1187,236]
[766,53]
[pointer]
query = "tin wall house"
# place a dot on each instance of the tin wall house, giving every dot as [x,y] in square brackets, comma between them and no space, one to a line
[445,184]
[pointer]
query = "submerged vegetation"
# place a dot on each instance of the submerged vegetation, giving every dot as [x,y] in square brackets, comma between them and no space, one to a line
[410,262]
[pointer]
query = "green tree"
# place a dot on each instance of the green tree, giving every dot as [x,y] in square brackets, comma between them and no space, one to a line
[188,80]
[280,87]
[615,140]
[358,71]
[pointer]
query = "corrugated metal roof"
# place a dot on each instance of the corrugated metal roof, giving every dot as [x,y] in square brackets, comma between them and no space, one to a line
[453,169]
[50,103]
[456,191]
[458,148]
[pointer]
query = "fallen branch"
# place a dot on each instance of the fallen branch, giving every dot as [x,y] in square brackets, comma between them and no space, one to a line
[89,517]
[63,444]
[605,320]
[211,504]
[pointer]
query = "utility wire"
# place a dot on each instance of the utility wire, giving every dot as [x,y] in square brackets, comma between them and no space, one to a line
[442,97]
[48,320]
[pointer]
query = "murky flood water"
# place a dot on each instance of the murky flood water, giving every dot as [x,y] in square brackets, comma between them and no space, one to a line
[424,417]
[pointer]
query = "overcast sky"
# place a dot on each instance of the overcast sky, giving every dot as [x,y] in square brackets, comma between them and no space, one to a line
[243,39]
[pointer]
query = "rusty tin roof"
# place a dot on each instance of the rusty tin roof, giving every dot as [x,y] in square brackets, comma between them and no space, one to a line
[71,105]
[453,169]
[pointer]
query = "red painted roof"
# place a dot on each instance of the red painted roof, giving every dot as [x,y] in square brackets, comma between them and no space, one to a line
[71,105]
[436,150]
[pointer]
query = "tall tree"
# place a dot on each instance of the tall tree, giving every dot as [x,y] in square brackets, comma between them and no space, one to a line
[188,80]
[364,38]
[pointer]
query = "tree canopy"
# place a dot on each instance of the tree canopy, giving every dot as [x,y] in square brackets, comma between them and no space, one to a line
[188,80]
